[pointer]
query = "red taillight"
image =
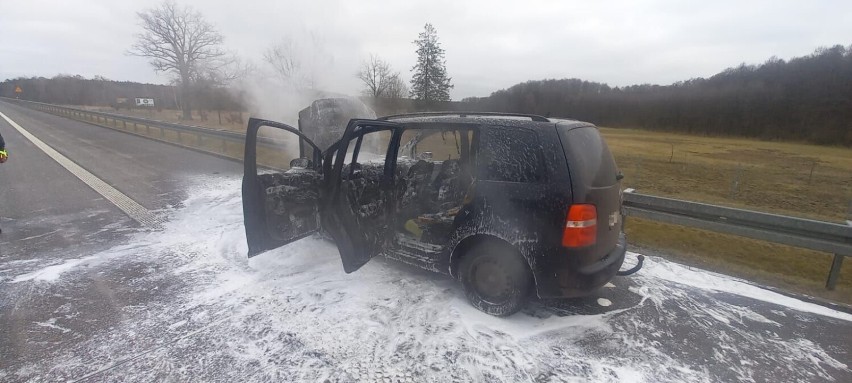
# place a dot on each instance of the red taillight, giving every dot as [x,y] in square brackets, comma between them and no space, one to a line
[581,226]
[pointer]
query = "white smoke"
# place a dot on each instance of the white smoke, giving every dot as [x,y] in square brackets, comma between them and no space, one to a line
[294,71]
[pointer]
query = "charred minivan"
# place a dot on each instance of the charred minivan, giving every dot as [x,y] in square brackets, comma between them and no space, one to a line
[507,204]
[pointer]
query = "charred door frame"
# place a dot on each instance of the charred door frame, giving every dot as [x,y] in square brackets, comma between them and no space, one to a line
[352,242]
[254,214]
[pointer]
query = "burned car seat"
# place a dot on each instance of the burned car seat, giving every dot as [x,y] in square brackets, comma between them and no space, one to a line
[414,189]
[447,191]
[362,187]
[431,200]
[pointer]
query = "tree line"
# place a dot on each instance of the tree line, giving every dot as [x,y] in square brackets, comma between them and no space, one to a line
[100,91]
[805,98]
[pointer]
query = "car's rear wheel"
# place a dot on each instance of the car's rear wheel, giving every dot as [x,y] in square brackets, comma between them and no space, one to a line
[496,279]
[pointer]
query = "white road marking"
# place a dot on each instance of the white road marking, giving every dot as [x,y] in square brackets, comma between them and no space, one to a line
[132,208]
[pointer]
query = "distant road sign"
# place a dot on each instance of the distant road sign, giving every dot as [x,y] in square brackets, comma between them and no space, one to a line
[18,89]
[144,102]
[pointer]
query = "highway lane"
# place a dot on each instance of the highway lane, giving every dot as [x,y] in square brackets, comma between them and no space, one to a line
[44,204]
[43,208]
[49,216]
[124,303]
[152,173]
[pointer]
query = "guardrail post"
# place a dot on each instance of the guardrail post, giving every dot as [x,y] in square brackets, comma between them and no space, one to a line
[849,212]
[834,273]
[638,174]
[735,183]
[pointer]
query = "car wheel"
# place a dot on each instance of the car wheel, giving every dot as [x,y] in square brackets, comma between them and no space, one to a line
[496,279]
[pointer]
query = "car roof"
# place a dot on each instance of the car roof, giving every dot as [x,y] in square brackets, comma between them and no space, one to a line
[483,118]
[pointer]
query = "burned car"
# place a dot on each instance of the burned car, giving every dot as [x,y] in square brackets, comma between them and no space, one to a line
[507,204]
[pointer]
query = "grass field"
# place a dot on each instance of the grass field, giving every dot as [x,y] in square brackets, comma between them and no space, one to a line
[787,178]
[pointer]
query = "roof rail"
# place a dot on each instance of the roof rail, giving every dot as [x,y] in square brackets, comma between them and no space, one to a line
[533,117]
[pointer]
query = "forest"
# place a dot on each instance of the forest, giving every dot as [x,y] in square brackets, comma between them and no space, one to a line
[802,99]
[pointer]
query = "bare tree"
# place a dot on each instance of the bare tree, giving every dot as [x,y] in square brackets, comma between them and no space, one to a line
[300,65]
[376,76]
[396,89]
[284,59]
[178,40]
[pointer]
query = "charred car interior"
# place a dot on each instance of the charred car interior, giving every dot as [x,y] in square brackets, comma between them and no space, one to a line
[507,204]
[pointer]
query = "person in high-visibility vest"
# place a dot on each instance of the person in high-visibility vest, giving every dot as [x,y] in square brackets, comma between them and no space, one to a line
[3,155]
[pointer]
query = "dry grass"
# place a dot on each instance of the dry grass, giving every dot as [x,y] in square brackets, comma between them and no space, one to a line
[231,121]
[787,178]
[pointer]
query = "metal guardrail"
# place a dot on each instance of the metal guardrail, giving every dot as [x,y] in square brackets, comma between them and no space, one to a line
[798,232]
[221,142]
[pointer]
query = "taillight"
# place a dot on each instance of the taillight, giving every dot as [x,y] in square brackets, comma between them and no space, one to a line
[581,226]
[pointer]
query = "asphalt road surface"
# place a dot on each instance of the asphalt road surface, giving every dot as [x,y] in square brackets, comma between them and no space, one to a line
[89,294]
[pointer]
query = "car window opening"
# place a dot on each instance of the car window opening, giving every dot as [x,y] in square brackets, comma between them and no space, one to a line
[434,174]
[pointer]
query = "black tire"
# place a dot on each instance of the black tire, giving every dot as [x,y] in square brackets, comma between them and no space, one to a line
[496,279]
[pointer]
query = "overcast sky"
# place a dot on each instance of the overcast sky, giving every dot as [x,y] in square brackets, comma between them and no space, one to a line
[489,45]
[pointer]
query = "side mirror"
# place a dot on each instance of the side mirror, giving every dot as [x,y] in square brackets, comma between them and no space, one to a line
[302,163]
[426,156]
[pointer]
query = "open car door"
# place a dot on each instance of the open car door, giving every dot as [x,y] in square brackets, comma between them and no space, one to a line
[281,195]
[361,193]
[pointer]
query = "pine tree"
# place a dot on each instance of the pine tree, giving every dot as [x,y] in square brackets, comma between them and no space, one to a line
[430,81]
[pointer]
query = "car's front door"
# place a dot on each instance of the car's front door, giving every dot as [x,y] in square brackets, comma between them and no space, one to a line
[281,195]
[360,187]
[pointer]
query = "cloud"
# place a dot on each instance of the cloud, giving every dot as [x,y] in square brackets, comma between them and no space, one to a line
[489,44]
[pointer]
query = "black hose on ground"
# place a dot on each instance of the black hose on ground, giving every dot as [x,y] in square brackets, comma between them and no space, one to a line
[636,268]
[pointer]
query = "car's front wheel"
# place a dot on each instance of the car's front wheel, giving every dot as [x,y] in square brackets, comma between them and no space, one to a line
[496,279]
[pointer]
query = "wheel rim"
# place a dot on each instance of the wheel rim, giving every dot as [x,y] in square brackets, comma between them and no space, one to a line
[491,281]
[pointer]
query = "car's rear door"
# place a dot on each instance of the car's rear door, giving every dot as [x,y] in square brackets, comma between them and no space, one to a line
[281,195]
[360,187]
